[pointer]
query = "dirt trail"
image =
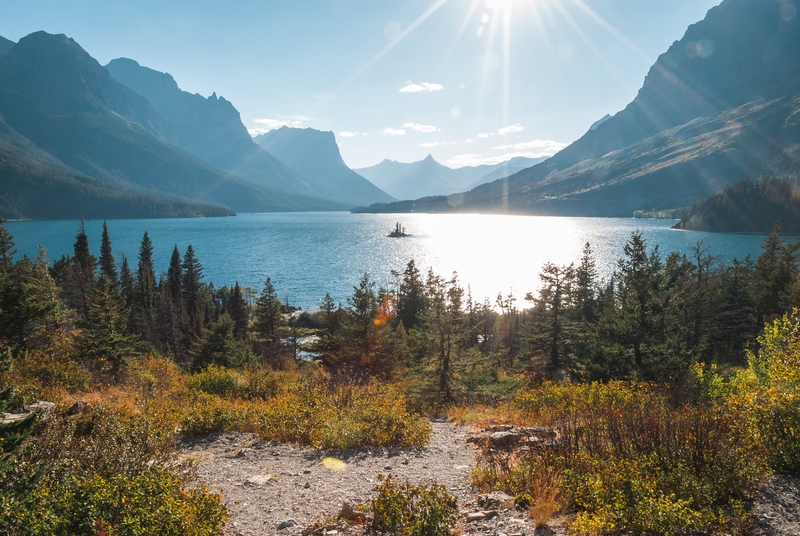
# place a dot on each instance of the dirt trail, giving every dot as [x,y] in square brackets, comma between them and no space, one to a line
[270,485]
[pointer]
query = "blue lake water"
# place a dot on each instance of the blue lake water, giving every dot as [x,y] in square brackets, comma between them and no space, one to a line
[309,254]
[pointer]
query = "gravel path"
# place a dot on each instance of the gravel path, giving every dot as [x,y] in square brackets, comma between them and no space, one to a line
[266,484]
[270,485]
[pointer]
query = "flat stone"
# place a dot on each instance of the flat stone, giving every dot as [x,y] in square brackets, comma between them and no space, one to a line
[287,524]
[259,480]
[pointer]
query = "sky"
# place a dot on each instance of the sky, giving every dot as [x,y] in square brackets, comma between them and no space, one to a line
[468,81]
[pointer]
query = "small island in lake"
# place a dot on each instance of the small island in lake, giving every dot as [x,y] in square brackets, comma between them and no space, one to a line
[399,231]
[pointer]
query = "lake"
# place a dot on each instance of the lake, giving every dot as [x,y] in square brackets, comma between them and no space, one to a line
[311,253]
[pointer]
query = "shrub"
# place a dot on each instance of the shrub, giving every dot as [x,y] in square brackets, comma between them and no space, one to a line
[104,471]
[628,460]
[215,380]
[413,510]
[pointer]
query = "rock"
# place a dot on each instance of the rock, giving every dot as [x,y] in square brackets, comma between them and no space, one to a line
[78,407]
[307,485]
[259,480]
[496,500]
[45,408]
[348,512]
[480,516]
[287,524]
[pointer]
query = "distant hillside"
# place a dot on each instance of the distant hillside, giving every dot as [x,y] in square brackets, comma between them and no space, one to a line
[428,177]
[63,101]
[718,106]
[35,185]
[5,46]
[209,128]
[315,156]
[748,207]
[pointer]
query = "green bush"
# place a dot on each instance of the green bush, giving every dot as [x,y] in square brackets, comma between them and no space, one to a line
[215,380]
[413,510]
[105,471]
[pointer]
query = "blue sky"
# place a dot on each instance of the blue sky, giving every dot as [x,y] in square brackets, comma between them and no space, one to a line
[468,81]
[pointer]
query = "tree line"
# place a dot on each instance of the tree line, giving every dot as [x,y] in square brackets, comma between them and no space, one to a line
[651,320]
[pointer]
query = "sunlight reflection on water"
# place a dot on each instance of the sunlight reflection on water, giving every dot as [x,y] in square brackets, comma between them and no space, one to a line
[309,254]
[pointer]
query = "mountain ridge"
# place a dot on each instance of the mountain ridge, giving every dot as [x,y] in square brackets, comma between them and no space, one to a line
[743,55]
[314,155]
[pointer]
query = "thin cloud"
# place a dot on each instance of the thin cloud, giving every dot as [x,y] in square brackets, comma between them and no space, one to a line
[510,129]
[345,134]
[393,132]
[543,145]
[433,144]
[420,128]
[272,124]
[411,87]
[483,135]
[472,160]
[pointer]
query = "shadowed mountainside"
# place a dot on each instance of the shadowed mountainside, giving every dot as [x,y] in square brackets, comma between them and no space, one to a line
[209,128]
[64,102]
[315,156]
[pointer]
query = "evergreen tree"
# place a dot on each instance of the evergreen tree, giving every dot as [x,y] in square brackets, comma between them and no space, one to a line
[410,296]
[218,347]
[239,313]
[104,340]
[144,289]
[175,277]
[583,291]
[126,282]
[638,288]
[191,283]
[774,276]
[7,250]
[363,306]
[268,313]
[107,265]
[549,333]
[84,259]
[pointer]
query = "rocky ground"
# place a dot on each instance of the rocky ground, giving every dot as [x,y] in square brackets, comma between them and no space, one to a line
[283,490]
[270,485]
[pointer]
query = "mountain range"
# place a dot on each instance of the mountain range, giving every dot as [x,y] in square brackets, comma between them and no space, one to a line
[75,140]
[428,177]
[722,104]
[315,156]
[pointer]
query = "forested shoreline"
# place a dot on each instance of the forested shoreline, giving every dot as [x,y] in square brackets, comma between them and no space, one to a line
[674,341]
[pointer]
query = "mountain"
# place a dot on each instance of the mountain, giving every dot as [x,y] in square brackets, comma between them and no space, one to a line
[718,106]
[428,177]
[314,155]
[62,100]
[35,185]
[748,207]
[5,46]
[209,128]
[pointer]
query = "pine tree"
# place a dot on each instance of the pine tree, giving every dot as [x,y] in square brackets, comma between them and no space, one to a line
[84,259]
[175,277]
[103,338]
[239,313]
[107,265]
[191,283]
[144,289]
[126,282]
[7,250]
[639,286]
[549,332]
[410,296]
[268,313]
